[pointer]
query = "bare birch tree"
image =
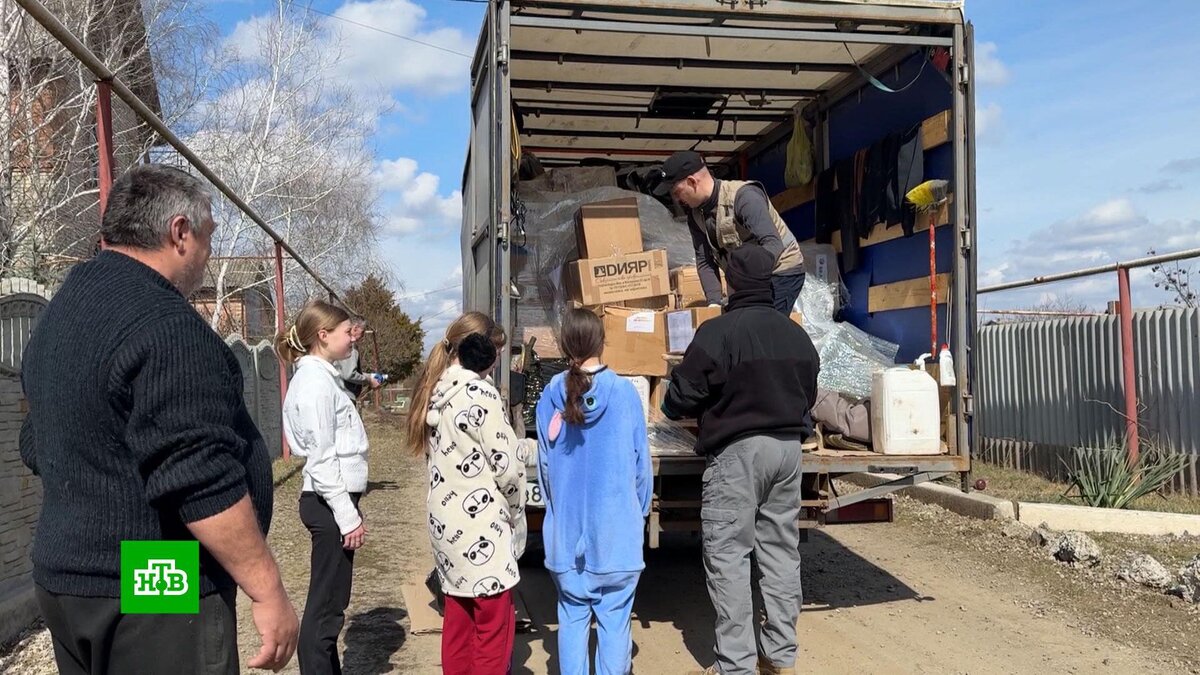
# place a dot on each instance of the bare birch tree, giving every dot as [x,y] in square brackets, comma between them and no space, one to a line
[294,144]
[49,160]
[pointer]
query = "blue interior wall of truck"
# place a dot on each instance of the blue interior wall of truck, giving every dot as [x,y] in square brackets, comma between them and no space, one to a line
[855,123]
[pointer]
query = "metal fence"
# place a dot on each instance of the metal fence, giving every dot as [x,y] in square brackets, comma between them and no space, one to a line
[1047,387]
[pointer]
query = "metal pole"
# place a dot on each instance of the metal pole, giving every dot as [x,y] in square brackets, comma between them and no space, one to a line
[104,143]
[279,329]
[1090,271]
[50,22]
[1129,373]
[774,34]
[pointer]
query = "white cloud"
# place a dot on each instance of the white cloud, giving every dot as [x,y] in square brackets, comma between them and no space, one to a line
[1112,212]
[990,70]
[989,122]
[1113,231]
[389,62]
[361,39]
[413,201]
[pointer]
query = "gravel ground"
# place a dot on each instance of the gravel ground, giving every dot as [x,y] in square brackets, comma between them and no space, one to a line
[930,593]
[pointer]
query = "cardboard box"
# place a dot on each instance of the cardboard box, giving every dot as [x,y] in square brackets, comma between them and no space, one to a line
[607,229]
[635,341]
[685,282]
[682,325]
[604,281]
[658,303]
[642,386]
[658,391]
[547,340]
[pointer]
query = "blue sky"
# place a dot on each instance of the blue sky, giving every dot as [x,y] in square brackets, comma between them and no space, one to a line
[1088,143]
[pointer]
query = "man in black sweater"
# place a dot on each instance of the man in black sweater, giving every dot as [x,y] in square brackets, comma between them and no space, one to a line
[138,430]
[750,378]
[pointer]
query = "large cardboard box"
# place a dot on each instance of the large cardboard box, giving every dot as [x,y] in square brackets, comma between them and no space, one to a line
[685,282]
[607,229]
[635,341]
[657,303]
[604,281]
[682,325]
[547,340]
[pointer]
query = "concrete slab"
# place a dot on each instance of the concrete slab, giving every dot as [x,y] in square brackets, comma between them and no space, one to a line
[1065,517]
[18,609]
[972,505]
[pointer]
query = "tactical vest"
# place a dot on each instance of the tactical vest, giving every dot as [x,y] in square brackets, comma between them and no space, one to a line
[731,234]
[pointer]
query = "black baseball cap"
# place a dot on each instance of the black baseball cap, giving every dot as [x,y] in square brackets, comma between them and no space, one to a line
[677,167]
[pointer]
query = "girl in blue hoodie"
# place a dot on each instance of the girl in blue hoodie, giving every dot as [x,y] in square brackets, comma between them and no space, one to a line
[596,478]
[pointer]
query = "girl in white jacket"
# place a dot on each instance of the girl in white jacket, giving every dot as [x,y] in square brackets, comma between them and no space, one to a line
[476,495]
[322,424]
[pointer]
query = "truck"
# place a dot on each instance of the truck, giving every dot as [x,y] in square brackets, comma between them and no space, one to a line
[629,82]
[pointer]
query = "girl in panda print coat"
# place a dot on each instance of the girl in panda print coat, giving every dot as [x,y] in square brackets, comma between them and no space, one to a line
[476,497]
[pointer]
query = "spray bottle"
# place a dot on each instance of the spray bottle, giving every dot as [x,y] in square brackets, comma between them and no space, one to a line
[946,376]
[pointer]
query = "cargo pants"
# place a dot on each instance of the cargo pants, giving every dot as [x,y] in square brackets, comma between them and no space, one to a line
[751,501]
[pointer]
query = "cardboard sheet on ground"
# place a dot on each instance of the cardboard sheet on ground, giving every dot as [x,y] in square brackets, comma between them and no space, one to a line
[423,616]
[424,619]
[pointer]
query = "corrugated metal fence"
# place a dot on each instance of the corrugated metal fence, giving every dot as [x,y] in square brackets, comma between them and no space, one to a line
[1047,387]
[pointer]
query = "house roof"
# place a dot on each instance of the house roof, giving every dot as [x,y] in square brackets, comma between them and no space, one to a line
[239,274]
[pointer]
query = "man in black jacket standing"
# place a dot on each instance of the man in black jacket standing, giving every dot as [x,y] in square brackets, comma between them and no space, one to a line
[750,378]
[138,430]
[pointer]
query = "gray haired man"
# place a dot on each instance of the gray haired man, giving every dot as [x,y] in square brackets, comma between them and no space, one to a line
[139,433]
[350,368]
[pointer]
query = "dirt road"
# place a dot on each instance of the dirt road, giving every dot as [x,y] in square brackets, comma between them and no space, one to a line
[931,593]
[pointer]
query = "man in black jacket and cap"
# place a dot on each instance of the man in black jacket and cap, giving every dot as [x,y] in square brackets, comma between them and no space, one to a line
[750,378]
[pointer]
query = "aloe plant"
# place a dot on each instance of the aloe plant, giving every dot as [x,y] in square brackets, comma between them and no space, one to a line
[1103,477]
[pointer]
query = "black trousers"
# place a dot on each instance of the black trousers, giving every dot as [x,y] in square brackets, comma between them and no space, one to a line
[92,637]
[328,588]
[785,290]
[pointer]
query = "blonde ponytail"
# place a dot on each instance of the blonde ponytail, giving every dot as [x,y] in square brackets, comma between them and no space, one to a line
[300,338]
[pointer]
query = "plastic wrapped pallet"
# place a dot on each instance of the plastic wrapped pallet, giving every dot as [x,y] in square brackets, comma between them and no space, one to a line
[849,355]
[548,243]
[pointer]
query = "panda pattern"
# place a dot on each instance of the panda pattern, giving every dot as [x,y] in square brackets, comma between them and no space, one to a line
[473,465]
[479,505]
[499,461]
[471,418]
[477,502]
[481,552]
[488,586]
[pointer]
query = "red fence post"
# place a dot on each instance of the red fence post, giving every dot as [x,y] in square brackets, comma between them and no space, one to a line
[1129,375]
[104,143]
[279,328]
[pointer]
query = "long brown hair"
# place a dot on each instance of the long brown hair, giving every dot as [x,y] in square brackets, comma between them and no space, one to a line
[580,338]
[439,360]
[303,335]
